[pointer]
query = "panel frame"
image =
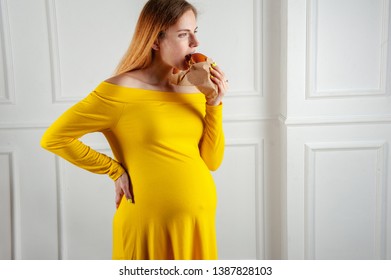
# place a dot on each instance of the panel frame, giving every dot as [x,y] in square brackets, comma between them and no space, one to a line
[5,42]
[62,184]
[311,59]
[55,61]
[381,149]
[14,204]
[259,199]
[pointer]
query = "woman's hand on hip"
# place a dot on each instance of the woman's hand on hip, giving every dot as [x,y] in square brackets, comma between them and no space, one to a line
[123,186]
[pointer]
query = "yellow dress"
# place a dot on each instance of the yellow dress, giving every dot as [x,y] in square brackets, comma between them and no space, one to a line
[168,142]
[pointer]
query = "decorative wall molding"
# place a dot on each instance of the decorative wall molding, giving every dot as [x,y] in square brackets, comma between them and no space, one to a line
[311,149]
[55,63]
[45,125]
[334,120]
[58,94]
[5,46]
[61,245]
[258,52]
[259,199]
[248,118]
[61,205]
[23,126]
[257,87]
[311,72]
[290,121]
[7,201]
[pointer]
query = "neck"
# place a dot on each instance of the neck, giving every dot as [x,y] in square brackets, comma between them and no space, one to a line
[157,76]
[157,73]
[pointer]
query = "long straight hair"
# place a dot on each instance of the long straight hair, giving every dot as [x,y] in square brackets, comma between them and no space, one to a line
[155,18]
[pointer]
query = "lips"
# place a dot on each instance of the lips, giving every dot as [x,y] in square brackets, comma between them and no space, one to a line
[195,58]
[188,58]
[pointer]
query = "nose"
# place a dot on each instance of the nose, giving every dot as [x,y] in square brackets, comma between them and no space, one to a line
[194,41]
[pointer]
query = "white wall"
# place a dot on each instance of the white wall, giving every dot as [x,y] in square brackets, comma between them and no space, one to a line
[54,52]
[335,118]
[307,123]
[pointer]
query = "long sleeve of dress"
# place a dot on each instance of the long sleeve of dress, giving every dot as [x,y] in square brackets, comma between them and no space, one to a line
[212,142]
[92,114]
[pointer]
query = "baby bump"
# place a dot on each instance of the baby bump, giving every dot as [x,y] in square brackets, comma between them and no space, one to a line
[176,188]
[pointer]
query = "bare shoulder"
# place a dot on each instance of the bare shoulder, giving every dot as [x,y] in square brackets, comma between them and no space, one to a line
[136,79]
[125,80]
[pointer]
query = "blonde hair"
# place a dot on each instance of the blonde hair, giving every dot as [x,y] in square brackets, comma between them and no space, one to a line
[155,18]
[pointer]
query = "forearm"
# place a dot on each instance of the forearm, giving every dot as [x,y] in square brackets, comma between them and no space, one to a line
[81,155]
[213,141]
[89,115]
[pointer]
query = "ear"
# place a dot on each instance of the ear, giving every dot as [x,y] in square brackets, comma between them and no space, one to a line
[155,45]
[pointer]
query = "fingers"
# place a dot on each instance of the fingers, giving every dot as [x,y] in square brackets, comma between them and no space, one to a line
[118,194]
[218,73]
[123,186]
[118,198]
[218,77]
[126,187]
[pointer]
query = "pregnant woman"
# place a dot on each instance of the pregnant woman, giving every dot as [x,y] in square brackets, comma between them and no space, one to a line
[165,140]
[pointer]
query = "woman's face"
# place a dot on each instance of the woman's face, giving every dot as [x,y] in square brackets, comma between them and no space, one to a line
[178,41]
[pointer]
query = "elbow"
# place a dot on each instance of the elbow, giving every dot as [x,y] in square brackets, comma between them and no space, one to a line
[45,142]
[49,142]
[213,159]
[213,167]
[213,164]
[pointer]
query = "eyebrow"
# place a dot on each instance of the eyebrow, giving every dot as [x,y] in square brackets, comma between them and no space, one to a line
[181,30]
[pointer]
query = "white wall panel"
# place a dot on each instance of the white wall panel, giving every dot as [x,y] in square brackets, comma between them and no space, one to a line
[347,47]
[337,192]
[55,52]
[240,214]
[7,95]
[28,63]
[86,207]
[86,43]
[244,47]
[33,193]
[6,205]
[338,62]
[242,55]
[345,200]
[335,118]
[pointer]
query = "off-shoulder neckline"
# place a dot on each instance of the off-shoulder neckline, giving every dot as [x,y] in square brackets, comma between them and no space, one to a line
[152,90]
[120,93]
